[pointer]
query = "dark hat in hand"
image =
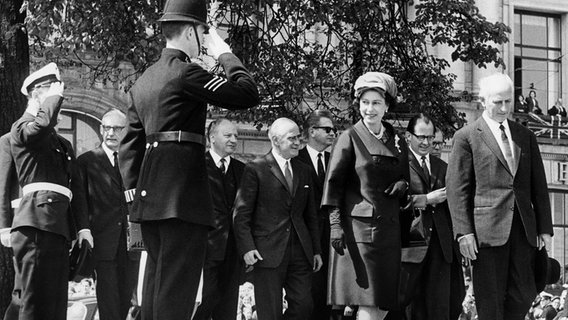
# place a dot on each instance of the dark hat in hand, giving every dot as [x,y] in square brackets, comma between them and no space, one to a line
[81,262]
[185,10]
[546,271]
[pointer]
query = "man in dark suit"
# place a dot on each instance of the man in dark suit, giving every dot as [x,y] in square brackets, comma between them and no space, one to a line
[499,204]
[276,226]
[116,272]
[532,103]
[9,191]
[320,133]
[47,215]
[223,268]
[440,290]
[163,155]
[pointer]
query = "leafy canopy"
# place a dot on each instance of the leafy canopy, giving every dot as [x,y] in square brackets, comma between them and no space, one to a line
[304,54]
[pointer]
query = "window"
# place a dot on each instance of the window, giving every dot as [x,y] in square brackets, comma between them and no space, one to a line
[537,56]
[80,129]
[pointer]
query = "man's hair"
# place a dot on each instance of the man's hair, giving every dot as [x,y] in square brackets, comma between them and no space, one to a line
[414,120]
[276,130]
[173,29]
[113,110]
[490,84]
[313,119]
[214,125]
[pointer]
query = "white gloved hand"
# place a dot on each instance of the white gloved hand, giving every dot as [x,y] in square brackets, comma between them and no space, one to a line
[56,89]
[215,45]
[6,237]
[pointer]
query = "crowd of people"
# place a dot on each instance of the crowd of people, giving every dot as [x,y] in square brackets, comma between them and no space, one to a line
[376,227]
[531,104]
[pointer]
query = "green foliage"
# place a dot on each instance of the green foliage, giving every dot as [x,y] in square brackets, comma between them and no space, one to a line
[304,54]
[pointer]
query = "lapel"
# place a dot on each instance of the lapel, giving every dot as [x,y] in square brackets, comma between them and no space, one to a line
[275,170]
[105,162]
[489,139]
[415,165]
[373,145]
[516,137]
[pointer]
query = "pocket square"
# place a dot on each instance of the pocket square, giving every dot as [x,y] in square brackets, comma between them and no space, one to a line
[306,186]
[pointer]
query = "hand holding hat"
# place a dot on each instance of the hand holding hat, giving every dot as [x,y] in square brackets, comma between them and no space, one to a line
[215,45]
[85,234]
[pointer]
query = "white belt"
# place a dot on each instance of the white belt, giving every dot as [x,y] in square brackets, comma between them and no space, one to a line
[47,186]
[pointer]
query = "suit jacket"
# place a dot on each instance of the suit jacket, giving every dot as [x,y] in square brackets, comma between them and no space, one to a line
[533,106]
[304,156]
[483,192]
[437,217]
[171,177]
[105,202]
[266,212]
[40,155]
[223,191]
[9,188]
[554,110]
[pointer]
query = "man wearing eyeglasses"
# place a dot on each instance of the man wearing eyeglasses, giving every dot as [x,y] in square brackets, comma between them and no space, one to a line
[116,273]
[320,133]
[439,287]
[437,144]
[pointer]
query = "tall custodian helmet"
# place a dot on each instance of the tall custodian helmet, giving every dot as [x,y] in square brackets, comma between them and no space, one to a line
[185,10]
[45,75]
[374,80]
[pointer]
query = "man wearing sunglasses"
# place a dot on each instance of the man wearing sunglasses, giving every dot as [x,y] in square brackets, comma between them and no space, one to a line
[116,272]
[320,133]
[439,286]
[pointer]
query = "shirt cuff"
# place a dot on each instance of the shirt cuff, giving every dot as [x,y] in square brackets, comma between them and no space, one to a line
[467,235]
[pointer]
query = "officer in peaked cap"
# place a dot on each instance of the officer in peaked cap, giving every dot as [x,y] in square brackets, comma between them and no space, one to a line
[162,155]
[46,218]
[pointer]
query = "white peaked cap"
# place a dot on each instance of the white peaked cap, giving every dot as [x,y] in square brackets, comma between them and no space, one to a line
[47,74]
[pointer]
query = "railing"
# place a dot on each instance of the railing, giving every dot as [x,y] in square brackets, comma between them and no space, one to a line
[548,129]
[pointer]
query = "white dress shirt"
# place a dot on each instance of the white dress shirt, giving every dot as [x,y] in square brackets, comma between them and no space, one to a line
[217,160]
[314,157]
[282,163]
[494,126]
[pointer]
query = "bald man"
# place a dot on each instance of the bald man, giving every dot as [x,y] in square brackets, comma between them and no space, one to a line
[276,226]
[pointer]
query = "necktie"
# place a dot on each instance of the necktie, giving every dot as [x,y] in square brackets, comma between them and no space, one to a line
[222,166]
[507,149]
[425,170]
[116,167]
[288,176]
[321,171]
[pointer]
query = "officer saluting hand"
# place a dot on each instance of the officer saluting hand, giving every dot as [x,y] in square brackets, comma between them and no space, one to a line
[47,216]
[163,155]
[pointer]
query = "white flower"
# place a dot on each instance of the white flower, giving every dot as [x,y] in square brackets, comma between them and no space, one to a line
[396,144]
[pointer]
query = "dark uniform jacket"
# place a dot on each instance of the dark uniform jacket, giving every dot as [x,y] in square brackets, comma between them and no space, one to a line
[438,216]
[170,177]
[40,155]
[105,201]
[223,190]
[9,188]
[266,212]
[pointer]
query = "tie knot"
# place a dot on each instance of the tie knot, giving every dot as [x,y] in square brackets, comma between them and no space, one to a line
[223,160]
[115,154]
[423,158]
[502,127]
[319,155]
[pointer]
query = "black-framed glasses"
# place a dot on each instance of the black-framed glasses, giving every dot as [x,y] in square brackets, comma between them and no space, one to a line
[423,137]
[116,129]
[437,143]
[327,129]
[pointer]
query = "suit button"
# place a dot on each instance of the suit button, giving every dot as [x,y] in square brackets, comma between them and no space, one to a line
[512,208]
[155,144]
[143,193]
[287,229]
[49,200]
[120,223]
[430,229]
[69,158]
[378,217]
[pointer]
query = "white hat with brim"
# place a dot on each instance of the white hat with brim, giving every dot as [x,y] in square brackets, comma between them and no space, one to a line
[47,74]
